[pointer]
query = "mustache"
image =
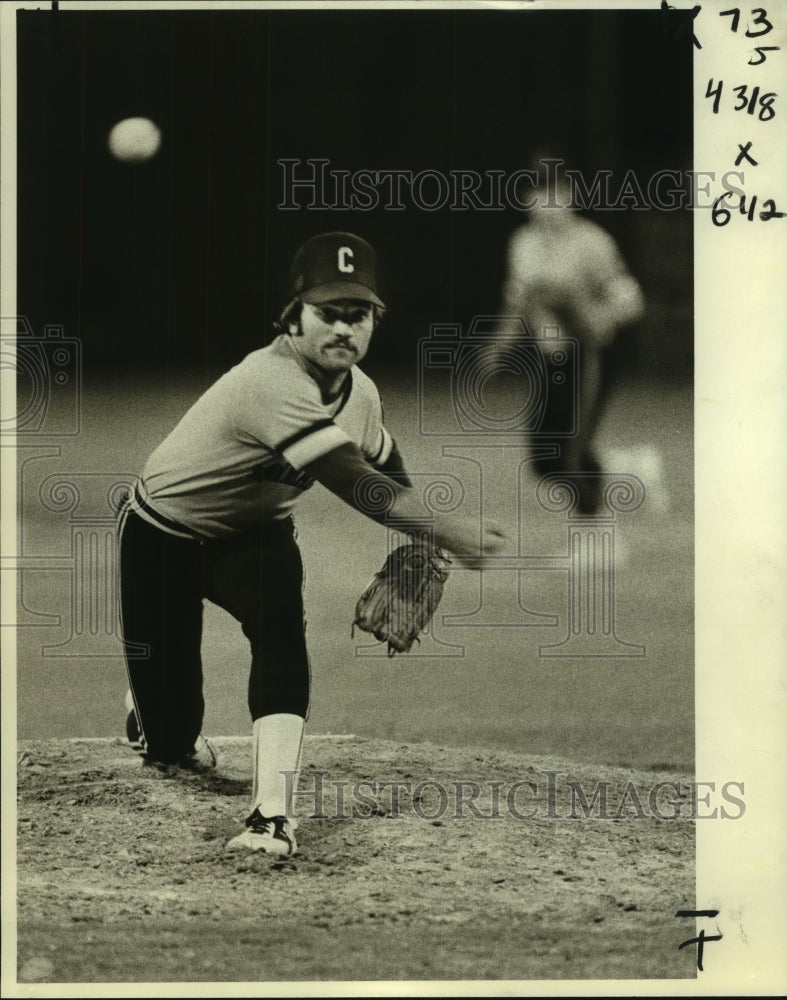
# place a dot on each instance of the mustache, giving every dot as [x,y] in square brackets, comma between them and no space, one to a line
[345,343]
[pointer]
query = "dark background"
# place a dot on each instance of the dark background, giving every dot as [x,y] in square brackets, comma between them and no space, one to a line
[181,262]
[170,271]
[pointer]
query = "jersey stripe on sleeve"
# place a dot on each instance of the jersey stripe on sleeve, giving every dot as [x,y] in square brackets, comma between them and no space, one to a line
[311,442]
[386,444]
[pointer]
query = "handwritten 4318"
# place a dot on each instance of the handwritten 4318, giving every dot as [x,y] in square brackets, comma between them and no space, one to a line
[747,100]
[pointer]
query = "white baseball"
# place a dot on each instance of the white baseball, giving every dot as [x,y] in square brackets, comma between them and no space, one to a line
[134,140]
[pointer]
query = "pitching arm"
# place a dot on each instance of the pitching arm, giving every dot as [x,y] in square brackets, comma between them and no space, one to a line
[393,467]
[346,473]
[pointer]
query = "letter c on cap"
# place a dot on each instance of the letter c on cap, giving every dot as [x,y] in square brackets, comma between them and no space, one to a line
[345,255]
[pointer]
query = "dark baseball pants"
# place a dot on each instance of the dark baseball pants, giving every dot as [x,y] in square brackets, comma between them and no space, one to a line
[575,455]
[164,579]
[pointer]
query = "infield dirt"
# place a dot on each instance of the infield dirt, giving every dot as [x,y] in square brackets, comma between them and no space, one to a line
[123,874]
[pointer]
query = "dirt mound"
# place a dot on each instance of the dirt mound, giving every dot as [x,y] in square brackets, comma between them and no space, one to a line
[415,862]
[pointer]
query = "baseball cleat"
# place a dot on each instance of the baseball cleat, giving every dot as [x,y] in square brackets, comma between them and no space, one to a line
[271,836]
[200,760]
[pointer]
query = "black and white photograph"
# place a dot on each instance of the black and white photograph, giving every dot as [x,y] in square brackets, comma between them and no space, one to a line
[393,486]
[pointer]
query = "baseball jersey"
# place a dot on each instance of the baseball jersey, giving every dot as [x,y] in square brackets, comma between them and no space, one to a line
[237,457]
[573,277]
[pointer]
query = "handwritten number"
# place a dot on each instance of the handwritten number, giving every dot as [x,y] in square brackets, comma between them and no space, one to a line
[736,16]
[750,102]
[742,207]
[700,940]
[762,18]
[720,214]
[761,50]
[743,100]
[702,937]
[771,213]
[715,94]
[766,107]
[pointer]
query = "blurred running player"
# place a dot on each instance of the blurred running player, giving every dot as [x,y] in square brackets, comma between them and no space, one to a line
[564,271]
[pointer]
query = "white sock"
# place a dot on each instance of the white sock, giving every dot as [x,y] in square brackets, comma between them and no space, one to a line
[277,752]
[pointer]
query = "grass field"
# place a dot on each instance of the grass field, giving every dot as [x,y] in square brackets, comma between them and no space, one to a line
[498,693]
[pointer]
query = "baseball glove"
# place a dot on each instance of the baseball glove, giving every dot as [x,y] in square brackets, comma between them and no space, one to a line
[402,598]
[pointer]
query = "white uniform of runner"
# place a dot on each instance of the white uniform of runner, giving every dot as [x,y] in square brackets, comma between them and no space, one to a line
[564,272]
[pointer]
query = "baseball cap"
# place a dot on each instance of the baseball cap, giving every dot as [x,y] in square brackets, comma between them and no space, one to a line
[335,266]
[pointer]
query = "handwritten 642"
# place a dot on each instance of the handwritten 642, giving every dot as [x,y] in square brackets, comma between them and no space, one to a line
[721,214]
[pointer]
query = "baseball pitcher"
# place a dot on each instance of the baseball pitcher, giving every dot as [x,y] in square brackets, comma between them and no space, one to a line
[212,517]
